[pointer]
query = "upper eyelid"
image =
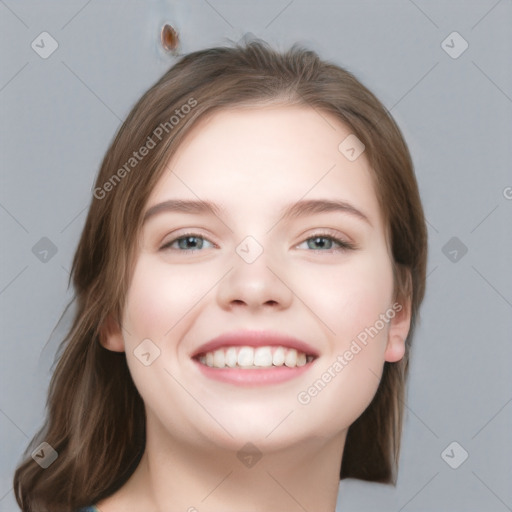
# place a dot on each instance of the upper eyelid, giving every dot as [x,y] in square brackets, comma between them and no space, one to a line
[185,234]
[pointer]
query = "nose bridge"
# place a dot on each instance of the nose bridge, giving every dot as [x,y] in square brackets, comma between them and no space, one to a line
[255,280]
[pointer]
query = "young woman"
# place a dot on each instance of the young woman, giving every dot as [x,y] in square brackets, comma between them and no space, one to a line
[247,284]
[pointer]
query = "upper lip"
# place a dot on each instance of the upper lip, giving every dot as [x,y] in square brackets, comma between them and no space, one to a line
[247,338]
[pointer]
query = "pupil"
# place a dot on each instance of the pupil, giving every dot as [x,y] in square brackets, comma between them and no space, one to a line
[189,241]
[320,241]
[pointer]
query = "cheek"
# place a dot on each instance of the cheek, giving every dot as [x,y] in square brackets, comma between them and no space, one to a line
[355,296]
[350,297]
[160,297]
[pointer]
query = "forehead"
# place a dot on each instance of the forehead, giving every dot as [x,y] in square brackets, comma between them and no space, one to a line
[264,156]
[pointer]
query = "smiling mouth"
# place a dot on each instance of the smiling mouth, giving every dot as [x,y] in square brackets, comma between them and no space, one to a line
[254,358]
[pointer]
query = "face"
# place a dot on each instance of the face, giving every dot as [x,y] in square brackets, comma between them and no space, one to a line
[303,297]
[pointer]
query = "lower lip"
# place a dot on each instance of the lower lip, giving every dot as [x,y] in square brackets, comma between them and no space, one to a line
[252,377]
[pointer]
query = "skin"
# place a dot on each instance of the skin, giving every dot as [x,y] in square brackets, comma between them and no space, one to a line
[253,162]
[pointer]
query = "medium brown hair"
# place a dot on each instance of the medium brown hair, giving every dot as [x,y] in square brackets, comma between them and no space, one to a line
[95,415]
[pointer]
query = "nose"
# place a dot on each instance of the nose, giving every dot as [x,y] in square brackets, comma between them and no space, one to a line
[259,285]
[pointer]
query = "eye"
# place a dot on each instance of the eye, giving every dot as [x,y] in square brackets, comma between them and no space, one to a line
[324,242]
[190,242]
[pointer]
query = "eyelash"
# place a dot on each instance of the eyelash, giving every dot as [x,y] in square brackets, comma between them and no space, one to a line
[343,244]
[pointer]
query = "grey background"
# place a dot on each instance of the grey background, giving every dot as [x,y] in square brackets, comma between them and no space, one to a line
[59,115]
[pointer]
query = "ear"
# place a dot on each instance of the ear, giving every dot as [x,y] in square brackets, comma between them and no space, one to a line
[399,327]
[111,336]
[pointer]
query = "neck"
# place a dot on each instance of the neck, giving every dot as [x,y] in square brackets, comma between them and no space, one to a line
[174,475]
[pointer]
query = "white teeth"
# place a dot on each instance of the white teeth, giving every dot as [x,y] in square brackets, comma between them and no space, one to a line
[291,358]
[252,358]
[218,359]
[263,357]
[246,356]
[231,358]
[301,359]
[278,357]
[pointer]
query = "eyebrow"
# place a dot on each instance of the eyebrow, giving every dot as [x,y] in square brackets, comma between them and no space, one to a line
[296,210]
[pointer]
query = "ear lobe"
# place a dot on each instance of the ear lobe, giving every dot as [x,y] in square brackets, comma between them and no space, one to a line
[399,327]
[111,336]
